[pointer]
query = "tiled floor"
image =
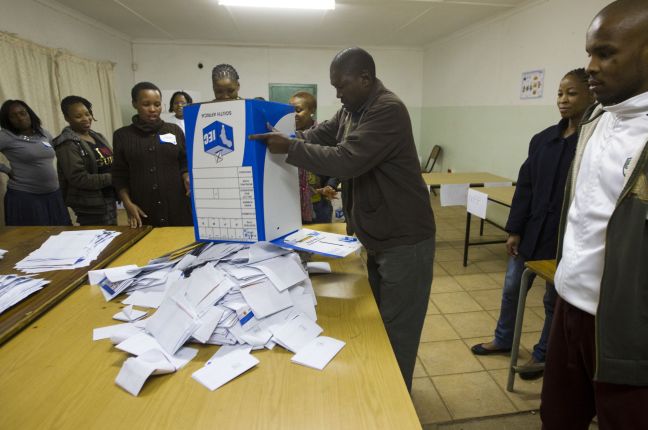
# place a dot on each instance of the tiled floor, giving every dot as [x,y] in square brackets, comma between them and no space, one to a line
[450,383]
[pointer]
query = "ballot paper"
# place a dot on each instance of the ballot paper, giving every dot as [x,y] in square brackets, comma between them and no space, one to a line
[265,299]
[67,250]
[117,332]
[145,299]
[14,288]
[318,267]
[296,333]
[2,253]
[318,242]
[227,349]
[224,369]
[128,314]
[283,271]
[318,352]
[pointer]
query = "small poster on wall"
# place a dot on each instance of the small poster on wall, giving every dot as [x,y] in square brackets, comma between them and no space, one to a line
[532,84]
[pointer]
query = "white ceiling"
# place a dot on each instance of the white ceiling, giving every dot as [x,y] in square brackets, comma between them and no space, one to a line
[405,23]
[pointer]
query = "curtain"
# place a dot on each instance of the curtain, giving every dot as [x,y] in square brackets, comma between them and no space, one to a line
[42,76]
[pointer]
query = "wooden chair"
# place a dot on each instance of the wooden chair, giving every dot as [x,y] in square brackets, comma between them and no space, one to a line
[431,161]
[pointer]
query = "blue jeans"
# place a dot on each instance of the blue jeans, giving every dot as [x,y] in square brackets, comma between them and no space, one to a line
[508,310]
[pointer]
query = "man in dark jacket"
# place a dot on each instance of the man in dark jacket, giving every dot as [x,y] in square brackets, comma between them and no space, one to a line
[597,359]
[369,144]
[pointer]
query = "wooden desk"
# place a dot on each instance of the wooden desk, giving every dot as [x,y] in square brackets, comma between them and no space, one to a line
[54,376]
[546,269]
[20,241]
[474,179]
[500,195]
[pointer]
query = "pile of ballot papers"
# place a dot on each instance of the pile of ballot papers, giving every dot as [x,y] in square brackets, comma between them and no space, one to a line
[14,288]
[242,296]
[67,250]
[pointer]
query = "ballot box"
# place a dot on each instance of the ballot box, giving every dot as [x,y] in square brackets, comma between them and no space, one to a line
[239,191]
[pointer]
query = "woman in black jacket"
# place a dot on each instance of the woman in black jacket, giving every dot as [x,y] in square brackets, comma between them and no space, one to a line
[84,160]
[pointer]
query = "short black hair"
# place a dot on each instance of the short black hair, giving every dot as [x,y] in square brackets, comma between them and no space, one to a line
[224,71]
[354,61]
[176,94]
[580,74]
[6,123]
[142,86]
[310,99]
[68,101]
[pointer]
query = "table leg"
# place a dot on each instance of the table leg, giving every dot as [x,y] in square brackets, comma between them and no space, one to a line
[467,239]
[517,334]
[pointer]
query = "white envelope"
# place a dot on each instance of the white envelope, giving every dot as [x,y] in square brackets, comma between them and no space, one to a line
[265,299]
[318,352]
[296,333]
[128,314]
[224,369]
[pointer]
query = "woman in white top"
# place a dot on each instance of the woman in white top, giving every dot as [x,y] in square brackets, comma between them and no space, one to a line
[179,99]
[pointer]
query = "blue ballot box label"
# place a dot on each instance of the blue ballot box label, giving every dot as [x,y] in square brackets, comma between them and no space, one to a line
[218,139]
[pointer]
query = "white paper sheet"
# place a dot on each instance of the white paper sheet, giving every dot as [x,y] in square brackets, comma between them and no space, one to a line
[477,203]
[454,194]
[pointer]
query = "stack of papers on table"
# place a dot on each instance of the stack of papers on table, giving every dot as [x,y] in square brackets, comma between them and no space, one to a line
[14,288]
[318,242]
[245,297]
[2,253]
[67,250]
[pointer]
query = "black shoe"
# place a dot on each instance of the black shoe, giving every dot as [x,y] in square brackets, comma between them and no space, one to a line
[532,375]
[480,350]
[531,370]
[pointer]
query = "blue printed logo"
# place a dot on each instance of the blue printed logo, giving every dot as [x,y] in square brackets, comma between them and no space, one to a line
[218,139]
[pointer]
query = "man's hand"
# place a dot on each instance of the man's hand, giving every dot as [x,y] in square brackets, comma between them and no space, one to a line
[512,244]
[278,143]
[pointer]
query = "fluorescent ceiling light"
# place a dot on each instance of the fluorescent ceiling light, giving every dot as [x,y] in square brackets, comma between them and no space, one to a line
[282,4]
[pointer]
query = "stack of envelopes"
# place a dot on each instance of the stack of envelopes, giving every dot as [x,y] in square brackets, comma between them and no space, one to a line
[67,250]
[14,288]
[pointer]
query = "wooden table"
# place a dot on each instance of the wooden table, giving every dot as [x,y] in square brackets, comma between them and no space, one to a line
[545,269]
[500,195]
[474,179]
[20,241]
[54,376]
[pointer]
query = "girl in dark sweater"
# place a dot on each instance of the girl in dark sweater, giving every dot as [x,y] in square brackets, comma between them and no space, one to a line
[150,165]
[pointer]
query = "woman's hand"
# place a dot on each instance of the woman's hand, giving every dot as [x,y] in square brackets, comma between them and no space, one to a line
[327,192]
[187,183]
[135,214]
[512,243]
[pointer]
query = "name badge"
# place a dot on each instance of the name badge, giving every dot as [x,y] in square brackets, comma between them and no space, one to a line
[168,138]
[46,143]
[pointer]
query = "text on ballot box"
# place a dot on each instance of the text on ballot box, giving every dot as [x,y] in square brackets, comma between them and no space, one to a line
[239,191]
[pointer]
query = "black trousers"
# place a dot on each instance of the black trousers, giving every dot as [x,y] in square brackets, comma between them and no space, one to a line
[570,396]
[400,279]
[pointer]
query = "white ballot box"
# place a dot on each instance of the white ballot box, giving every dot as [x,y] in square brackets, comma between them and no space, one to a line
[239,191]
